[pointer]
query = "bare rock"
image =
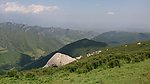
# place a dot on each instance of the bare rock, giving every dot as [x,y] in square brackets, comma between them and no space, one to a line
[59,59]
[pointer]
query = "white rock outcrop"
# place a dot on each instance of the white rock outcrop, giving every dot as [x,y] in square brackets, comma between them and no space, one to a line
[78,57]
[59,59]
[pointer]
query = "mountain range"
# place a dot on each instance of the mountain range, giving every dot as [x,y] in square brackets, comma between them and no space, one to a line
[20,43]
[121,37]
[129,64]
[26,46]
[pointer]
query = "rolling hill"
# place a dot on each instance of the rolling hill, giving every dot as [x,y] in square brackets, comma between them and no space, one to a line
[75,49]
[121,64]
[119,37]
[17,40]
[82,47]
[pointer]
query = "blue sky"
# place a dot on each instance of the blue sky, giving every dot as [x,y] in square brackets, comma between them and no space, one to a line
[97,15]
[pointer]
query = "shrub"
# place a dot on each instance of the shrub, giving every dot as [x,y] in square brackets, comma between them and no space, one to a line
[114,63]
[12,73]
[29,75]
[82,70]
[2,72]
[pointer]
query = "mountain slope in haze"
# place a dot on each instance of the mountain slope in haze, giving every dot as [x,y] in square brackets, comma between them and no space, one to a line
[118,37]
[75,49]
[34,41]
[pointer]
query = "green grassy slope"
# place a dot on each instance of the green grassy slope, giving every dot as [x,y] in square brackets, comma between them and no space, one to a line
[82,47]
[13,59]
[118,65]
[138,73]
[33,41]
[75,49]
[118,37]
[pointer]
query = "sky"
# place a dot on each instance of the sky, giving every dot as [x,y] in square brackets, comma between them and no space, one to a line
[96,15]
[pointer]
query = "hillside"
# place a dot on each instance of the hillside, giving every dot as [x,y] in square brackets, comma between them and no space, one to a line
[33,41]
[138,73]
[75,49]
[82,47]
[118,37]
[123,64]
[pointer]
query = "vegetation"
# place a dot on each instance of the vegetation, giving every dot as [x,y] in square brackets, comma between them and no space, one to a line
[81,47]
[33,41]
[124,64]
[75,49]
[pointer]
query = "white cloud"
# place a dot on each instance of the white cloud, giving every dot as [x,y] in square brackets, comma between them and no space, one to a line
[33,8]
[110,13]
